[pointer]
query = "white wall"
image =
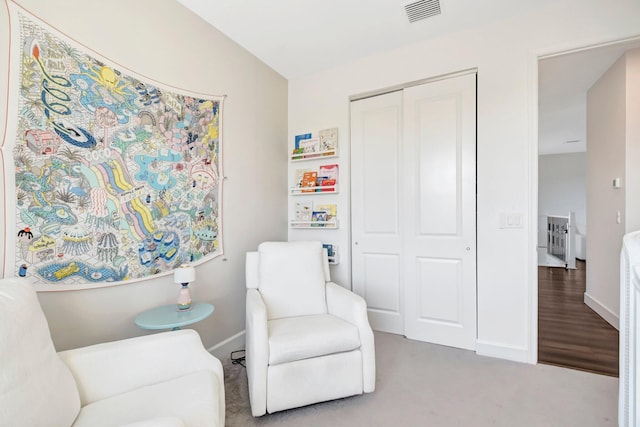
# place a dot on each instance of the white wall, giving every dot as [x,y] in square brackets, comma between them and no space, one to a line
[505,56]
[562,187]
[613,105]
[169,44]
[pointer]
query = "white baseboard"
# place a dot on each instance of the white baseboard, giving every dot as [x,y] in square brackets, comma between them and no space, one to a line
[223,349]
[602,311]
[501,351]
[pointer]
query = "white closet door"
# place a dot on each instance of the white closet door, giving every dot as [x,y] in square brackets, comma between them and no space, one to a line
[376,144]
[413,205]
[439,214]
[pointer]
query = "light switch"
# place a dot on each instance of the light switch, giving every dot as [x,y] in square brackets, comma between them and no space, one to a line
[616,182]
[511,220]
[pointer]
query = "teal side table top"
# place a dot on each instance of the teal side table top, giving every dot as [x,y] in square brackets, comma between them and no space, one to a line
[169,317]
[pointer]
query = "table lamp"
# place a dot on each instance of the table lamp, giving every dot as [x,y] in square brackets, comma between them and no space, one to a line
[183,275]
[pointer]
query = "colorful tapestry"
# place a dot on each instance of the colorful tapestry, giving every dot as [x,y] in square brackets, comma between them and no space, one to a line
[116,178]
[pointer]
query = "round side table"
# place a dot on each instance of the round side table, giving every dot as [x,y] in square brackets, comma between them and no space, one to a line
[169,317]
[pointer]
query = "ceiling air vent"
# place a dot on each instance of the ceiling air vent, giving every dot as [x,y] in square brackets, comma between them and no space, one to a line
[422,9]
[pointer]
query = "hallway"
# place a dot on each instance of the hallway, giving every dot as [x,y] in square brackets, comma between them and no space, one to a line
[570,334]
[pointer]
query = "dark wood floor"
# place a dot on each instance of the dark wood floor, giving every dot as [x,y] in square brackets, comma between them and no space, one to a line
[570,334]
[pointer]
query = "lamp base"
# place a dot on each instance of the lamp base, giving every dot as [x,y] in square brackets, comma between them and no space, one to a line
[184,298]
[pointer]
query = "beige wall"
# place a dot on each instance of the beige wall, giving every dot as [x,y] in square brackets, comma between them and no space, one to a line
[613,151]
[632,189]
[167,43]
[605,161]
[505,54]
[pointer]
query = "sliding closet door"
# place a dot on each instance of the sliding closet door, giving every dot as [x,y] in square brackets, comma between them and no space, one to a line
[439,214]
[413,205]
[376,144]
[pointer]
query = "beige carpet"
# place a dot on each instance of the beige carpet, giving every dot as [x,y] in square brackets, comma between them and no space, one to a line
[421,384]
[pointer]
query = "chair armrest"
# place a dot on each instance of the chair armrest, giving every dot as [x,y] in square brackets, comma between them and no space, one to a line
[257,351]
[347,305]
[112,368]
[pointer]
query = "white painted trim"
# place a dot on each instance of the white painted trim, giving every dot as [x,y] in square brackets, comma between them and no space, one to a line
[532,238]
[223,349]
[501,351]
[602,310]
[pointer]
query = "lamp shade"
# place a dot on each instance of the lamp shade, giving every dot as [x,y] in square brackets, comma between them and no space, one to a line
[184,274]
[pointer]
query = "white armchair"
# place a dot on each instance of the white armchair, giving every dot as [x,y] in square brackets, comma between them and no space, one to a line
[162,380]
[308,339]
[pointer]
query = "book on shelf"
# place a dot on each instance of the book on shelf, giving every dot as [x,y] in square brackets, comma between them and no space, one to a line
[328,141]
[300,137]
[329,248]
[299,179]
[304,211]
[328,185]
[330,209]
[330,175]
[310,147]
[318,218]
[309,181]
[298,151]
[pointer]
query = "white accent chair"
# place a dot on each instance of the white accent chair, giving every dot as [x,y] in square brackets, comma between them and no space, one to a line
[161,380]
[308,339]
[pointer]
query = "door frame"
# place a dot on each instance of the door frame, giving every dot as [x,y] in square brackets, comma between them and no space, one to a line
[402,86]
[534,58]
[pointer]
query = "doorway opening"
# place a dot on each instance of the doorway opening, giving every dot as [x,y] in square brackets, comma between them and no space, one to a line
[574,329]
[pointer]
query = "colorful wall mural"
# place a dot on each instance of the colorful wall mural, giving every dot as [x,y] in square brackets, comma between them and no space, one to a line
[116,178]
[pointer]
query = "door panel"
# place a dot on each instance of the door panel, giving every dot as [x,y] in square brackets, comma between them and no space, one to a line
[376,140]
[438,169]
[440,212]
[382,291]
[440,286]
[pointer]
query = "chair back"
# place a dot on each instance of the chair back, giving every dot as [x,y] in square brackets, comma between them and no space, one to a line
[291,277]
[36,387]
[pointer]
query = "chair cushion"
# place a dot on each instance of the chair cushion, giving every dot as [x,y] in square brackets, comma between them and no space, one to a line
[291,276]
[190,398]
[36,387]
[297,338]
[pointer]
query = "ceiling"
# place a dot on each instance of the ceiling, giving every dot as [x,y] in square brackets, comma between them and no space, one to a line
[300,37]
[563,82]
